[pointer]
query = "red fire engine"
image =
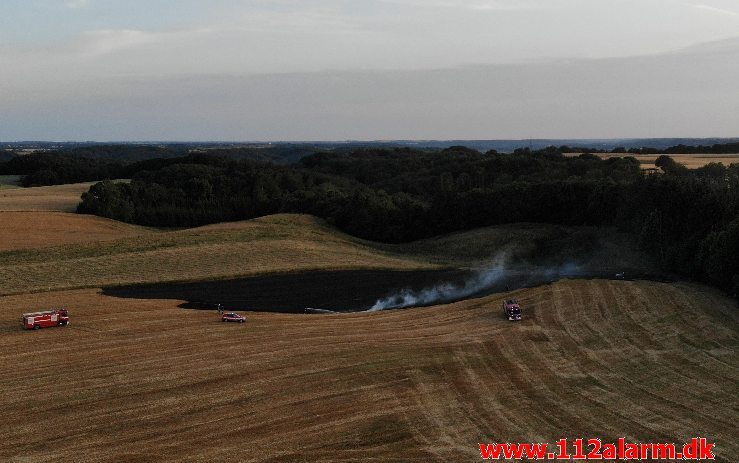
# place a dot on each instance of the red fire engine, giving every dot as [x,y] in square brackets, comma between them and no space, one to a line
[49,318]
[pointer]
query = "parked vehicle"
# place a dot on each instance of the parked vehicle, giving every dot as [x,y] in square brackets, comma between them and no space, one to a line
[232,317]
[46,319]
[512,310]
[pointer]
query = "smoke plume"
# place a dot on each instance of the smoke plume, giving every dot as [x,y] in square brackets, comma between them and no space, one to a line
[496,277]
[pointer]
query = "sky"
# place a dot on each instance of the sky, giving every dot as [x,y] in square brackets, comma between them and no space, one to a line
[258,70]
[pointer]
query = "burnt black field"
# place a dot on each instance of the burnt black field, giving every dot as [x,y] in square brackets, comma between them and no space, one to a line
[339,291]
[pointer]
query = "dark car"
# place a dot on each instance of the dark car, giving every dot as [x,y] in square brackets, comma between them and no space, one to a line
[232,317]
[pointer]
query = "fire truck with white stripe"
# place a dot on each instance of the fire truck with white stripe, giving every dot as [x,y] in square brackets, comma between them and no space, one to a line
[46,319]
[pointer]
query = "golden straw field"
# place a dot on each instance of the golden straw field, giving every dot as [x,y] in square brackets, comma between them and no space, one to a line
[143,380]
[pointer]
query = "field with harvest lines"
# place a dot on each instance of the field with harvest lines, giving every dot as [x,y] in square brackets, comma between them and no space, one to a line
[147,381]
[143,380]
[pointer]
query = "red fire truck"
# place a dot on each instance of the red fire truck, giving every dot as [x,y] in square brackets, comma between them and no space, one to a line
[49,318]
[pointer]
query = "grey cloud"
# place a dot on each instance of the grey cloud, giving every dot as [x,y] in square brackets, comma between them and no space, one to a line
[690,93]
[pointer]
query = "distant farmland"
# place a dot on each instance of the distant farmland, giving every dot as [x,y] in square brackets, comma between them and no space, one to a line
[691,161]
[48,198]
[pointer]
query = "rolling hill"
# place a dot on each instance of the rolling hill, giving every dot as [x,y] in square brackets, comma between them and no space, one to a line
[29,230]
[88,252]
[286,243]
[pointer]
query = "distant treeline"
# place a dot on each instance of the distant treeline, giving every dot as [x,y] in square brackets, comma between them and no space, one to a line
[98,162]
[724,148]
[6,155]
[55,169]
[687,219]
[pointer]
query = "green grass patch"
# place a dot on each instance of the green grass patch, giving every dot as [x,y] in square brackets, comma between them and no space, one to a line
[10,181]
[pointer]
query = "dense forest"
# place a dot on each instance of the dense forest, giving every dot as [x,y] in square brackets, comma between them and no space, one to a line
[386,195]
[56,169]
[96,162]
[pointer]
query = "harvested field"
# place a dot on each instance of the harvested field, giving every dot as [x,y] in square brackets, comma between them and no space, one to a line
[141,380]
[26,230]
[691,161]
[277,244]
[62,198]
[282,243]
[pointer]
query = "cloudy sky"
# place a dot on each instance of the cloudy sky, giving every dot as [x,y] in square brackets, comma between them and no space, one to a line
[367,69]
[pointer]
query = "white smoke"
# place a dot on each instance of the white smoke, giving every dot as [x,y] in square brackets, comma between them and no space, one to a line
[482,279]
[497,276]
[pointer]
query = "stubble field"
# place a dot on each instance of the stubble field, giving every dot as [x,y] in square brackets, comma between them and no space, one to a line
[47,198]
[691,161]
[145,381]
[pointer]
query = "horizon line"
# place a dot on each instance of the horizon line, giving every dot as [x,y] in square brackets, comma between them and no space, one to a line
[393,140]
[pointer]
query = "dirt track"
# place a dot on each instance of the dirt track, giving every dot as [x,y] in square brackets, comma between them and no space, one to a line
[145,381]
